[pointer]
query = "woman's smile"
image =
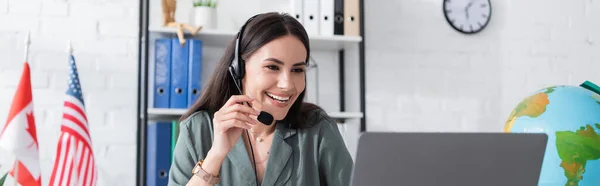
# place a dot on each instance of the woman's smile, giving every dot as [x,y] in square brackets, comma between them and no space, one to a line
[279,100]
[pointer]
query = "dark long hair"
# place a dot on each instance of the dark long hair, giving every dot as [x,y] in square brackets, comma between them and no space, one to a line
[259,31]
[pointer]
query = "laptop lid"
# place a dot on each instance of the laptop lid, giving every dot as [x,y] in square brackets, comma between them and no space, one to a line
[449,159]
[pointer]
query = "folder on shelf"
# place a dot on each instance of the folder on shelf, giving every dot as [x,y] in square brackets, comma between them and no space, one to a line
[311,17]
[352,17]
[296,10]
[326,17]
[338,21]
[158,153]
[162,76]
[179,74]
[195,70]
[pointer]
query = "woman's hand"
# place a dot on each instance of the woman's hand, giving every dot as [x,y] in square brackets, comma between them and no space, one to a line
[229,123]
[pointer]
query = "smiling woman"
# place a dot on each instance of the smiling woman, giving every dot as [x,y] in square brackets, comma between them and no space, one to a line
[274,75]
[301,146]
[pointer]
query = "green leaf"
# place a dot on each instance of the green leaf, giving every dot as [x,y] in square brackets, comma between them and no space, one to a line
[2,179]
[207,3]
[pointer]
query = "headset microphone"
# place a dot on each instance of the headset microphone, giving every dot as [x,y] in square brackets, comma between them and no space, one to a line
[236,69]
[263,117]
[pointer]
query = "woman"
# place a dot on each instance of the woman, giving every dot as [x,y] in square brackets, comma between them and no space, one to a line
[222,142]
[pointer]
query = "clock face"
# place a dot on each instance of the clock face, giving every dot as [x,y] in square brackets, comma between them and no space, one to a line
[468,16]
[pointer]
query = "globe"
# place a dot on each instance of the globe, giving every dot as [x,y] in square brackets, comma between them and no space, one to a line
[570,116]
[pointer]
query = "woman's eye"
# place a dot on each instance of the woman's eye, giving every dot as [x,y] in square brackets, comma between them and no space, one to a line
[298,70]
[273,67]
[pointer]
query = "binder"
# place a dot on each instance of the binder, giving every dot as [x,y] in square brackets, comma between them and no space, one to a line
[296,7]
[158,153]
[326,17]
[162,76]
[179,72]
[338,21]
[352,15]
[311,14]
[194,71]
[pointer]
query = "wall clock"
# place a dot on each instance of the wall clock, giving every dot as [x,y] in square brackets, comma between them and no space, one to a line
[468,16]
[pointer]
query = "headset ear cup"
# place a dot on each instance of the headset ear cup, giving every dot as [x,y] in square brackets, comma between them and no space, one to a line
[238,62]
[234,65]
[241,67]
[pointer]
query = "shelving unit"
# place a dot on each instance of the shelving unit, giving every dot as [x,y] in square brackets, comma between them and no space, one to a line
[220,38]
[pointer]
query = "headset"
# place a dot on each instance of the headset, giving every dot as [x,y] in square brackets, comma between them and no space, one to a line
[237,71]
[237,66]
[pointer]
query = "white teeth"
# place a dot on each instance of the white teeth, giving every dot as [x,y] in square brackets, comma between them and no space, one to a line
[278,97]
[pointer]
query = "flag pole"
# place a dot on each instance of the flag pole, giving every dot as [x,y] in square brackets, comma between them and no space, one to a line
[70,48]
[16,171]
[27,42]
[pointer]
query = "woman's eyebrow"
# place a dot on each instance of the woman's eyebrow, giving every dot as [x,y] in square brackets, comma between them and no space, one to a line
[281,62]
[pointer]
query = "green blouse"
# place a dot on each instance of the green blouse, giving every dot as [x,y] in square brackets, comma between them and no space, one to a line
[311,156]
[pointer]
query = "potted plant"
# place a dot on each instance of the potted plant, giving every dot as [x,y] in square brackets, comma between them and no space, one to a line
[3,179]
[205,13]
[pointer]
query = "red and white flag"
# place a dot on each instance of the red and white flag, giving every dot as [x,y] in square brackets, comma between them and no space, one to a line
[19,136]
[74,164]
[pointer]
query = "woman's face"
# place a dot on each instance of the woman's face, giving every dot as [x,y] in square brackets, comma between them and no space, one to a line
[275,75]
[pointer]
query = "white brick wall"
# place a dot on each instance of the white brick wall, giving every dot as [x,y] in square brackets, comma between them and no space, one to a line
[424,76]
[447,81]
[104,37]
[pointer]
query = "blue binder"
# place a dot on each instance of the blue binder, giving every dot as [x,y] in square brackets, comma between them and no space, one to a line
[179,72]
[195,71]
[158,153]
[162,75]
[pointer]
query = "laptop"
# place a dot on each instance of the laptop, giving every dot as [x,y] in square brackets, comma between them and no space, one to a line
[449,159]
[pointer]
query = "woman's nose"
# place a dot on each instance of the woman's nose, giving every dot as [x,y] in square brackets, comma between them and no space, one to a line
[284,81]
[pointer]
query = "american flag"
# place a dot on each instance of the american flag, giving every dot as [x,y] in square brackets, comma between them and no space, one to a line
[74,164]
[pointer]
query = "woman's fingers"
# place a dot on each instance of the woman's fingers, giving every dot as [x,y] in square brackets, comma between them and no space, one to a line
[234,114]
[256,105]
[226,125]
[241,108]
[237,99]
[239,116]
